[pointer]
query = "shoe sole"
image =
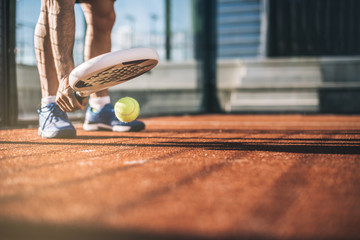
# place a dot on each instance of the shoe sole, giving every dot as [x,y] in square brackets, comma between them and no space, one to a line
[101,126]
[67,133]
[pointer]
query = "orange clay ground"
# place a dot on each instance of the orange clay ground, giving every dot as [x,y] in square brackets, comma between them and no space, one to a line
[188,177]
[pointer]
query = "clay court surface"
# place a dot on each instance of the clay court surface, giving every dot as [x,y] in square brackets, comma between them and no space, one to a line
[188,177]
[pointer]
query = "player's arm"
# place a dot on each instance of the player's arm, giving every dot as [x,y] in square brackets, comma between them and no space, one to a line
[62,35]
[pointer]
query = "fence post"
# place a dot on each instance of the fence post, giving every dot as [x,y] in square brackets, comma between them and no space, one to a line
[206,52]
[8,102]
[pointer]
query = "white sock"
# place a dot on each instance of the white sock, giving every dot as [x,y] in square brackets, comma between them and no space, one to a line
[98,102]
[47,100]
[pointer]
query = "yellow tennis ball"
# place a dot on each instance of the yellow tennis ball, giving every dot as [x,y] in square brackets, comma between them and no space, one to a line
[127,109]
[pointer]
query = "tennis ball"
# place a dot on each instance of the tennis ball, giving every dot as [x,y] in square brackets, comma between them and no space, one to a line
[127,109]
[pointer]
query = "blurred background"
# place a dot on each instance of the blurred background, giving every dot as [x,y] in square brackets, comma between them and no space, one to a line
[230,56]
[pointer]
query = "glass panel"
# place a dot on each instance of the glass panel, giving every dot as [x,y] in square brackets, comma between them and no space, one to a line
[172,86]
[240,40]
[182,40]
[28,83]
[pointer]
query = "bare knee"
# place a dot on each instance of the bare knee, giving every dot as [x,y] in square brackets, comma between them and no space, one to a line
[42,24]
[102,23]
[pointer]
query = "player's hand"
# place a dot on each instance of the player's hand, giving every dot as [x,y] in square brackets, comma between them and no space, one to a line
[66,99]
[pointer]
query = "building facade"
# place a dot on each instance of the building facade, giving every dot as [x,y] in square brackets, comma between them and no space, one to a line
[240,28]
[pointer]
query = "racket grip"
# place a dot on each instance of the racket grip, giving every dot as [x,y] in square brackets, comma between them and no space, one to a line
[79,97]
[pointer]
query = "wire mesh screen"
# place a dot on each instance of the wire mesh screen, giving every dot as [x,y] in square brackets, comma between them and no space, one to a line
[314,28]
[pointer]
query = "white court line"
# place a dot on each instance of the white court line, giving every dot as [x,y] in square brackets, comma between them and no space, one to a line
[251,123]
[87,151]
[133,162]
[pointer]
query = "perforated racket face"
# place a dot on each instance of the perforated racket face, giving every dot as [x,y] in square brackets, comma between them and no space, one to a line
[114,75]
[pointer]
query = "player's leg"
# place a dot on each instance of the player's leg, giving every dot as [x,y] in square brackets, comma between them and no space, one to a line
[100,18]
[44,56]
[61,17]
[53,123]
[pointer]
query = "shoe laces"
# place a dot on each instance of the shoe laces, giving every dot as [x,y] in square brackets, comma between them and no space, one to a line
[55,113]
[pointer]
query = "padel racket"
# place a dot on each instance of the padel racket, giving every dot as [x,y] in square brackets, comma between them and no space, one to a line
[111,69]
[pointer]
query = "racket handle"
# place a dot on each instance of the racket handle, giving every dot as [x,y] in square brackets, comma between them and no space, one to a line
[79,97]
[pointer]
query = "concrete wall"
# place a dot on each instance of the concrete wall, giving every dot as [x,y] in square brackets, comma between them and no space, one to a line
[316,85]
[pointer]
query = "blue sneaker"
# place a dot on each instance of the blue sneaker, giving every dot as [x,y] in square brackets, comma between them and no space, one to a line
[54,123]
[105,119]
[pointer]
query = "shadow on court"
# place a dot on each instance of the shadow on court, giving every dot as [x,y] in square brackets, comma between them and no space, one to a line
[193,177]
[25,230]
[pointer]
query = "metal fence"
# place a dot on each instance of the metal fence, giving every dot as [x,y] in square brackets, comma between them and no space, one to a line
[313,27]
